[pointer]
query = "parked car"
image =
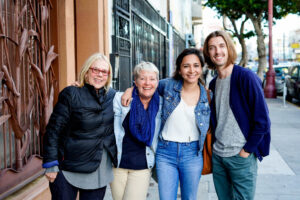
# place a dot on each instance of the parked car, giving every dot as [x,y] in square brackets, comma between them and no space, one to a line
[281,70]
[293,83]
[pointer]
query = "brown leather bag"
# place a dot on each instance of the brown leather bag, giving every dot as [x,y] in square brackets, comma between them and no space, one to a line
[207,148]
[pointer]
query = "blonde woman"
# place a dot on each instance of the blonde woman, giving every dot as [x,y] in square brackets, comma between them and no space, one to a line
[79,144]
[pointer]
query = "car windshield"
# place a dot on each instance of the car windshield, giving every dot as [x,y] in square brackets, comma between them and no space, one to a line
[284,68]
[281,71]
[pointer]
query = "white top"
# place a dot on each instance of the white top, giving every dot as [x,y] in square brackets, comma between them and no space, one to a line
[181,124]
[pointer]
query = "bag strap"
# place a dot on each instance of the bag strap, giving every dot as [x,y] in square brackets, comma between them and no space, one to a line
[208,96]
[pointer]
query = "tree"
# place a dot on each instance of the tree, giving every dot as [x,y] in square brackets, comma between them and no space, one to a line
[238,31]
[257,12]
[239,34]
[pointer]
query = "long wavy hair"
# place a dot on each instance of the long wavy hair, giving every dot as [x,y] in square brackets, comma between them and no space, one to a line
[232,55]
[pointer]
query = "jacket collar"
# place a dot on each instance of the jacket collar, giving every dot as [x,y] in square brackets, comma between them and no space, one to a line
[92,89]
[98,94]
[203,94]
[178,86]
[233,73]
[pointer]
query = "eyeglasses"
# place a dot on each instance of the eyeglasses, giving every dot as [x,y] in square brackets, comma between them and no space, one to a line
[97,71]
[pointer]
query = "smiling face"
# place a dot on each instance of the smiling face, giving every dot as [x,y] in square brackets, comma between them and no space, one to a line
[146,84]
[218,51]
[97,74]
[190,69]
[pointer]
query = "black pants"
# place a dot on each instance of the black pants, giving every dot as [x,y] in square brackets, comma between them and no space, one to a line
[62,190]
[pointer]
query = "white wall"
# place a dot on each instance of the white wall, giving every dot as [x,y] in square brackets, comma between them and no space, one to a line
[182,15]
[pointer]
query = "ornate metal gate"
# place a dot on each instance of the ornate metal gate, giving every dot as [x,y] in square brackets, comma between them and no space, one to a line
[121,57]
[26,89]
[149,36]
[140,34]
[148,44]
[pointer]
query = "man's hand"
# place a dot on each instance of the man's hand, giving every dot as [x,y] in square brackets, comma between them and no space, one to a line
[244,154]
[51,176]
[127,97]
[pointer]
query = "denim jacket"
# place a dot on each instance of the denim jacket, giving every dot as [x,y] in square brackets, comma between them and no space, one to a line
[120,113]
[170,90]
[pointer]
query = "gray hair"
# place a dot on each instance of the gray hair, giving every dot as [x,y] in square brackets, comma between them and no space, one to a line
[145,66]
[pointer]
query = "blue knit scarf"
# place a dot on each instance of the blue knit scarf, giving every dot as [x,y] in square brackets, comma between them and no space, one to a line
[141,121]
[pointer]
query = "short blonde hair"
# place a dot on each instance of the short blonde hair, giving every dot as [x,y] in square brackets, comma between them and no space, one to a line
[86,66]
[145,66]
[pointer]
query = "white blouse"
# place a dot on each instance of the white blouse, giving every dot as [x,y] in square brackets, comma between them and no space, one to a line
[181,124]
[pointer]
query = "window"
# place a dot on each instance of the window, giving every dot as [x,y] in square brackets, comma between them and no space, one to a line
[295,72]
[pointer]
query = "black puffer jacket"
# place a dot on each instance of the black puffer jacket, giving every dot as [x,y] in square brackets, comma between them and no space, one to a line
[80,126]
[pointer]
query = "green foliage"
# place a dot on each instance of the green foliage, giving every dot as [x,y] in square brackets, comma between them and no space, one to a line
[236,8]
[257,12]
[249,34]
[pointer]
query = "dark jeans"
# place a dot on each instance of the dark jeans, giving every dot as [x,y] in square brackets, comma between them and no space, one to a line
[62,190]
[235,177]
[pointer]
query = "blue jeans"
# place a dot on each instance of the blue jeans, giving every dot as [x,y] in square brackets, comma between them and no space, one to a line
[178,162]
[235,177]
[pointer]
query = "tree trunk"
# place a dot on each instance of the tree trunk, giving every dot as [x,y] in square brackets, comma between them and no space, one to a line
[244,59]
[240,35]
[261,49]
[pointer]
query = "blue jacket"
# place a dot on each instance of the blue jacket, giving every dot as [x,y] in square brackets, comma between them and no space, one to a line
[119,116]
[170,89]
[249,108]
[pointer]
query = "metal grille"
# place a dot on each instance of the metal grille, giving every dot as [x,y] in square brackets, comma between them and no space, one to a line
[179,44]
[121,56]
[145,9]
[123,4]
[148,44]
[26,88]
[146,40]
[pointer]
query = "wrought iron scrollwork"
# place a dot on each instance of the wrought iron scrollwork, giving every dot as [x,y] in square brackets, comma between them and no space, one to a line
[27,80]
[124,28]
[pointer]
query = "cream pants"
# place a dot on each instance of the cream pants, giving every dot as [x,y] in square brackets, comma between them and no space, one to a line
[130,184]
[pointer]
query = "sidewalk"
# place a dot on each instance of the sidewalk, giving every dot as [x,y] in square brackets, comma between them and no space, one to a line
[279,173]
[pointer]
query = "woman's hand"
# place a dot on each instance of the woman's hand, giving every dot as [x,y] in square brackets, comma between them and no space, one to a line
[76,84]
[244,154]
[51,176]
[126,97]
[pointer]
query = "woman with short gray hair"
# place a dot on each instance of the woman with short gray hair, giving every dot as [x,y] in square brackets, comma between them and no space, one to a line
[136,129]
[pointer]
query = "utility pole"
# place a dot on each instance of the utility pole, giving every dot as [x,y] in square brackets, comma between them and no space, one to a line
[283,46]
[270,90]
